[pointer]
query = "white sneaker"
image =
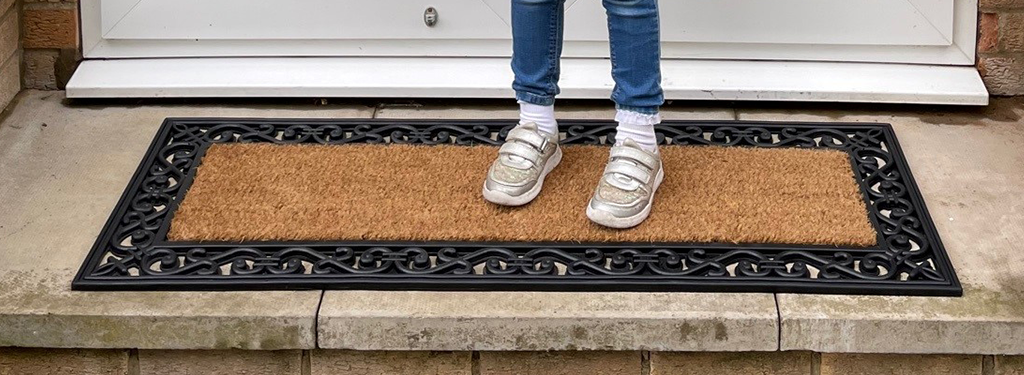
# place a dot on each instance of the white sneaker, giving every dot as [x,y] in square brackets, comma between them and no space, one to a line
[527,156]
[625,194]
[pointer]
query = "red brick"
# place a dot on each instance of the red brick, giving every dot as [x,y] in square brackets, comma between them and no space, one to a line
[988,32]
[50,27]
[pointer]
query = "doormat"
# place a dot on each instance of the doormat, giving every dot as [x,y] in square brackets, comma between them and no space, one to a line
[243,204]
[268,192]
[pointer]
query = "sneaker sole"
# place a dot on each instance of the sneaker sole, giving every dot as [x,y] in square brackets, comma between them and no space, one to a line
[503,199]
[611,221]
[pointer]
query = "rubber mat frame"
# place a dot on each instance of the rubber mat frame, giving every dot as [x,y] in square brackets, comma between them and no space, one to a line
[132,252]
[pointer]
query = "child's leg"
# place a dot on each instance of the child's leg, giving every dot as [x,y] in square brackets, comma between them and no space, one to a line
[536,48]
[634,35]
[531,149]
[625,194]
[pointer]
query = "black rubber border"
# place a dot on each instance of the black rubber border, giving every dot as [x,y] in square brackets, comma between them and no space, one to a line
[107,267]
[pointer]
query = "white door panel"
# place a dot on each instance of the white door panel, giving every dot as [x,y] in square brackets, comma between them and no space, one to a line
[937,13]
[113,11]
[827,22]
[901,31]
[307,19]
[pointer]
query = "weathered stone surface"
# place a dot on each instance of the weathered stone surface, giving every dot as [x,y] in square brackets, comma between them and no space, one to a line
[10,56]
[40,72]
[6,5]
[50,27]
[16,361]
[1011,32]
[10,79]
[546,321]
[9,33]
[1002,75]
[1008,365]
[331,362]
[739,363]
[565,363]
[897,364]
[194,362]
[63,169]
[969,166]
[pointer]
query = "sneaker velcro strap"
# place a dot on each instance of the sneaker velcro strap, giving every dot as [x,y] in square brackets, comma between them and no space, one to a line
[627,169]
[529,137]
[636,155]
[520,150]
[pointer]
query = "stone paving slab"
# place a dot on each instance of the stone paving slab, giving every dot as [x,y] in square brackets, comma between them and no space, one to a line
[547,321]
[524,321]
[970,168]
[63,169]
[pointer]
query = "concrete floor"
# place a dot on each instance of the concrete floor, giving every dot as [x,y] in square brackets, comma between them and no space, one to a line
[63,167]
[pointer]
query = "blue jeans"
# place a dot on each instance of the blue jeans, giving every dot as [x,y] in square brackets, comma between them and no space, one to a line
[634,35]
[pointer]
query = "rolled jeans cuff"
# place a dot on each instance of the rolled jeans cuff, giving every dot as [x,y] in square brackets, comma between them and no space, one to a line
[532,98]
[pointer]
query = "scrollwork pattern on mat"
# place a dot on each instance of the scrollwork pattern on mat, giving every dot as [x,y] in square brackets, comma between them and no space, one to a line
[133,249]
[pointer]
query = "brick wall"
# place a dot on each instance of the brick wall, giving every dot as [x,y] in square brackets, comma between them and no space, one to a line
[15,361]
[1001,46]
[10,52]
[50,37]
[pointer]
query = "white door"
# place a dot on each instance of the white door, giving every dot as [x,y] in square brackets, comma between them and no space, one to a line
[912,32]
[917,31]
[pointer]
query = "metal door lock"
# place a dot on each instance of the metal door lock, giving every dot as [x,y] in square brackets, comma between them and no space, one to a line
[430,17]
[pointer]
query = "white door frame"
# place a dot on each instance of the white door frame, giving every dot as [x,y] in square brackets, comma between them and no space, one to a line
[944,36]
[117,66]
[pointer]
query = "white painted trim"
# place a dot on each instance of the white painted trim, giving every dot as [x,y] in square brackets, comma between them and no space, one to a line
[491,77]
[965,29]
[92,23]
[98,44]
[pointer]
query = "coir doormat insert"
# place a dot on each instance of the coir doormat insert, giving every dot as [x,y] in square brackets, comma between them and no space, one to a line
[234,204]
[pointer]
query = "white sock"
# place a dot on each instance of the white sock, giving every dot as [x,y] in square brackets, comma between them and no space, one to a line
[542,115]
[639,127]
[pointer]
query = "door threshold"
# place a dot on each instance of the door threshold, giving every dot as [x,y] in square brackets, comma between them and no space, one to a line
[491,78]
